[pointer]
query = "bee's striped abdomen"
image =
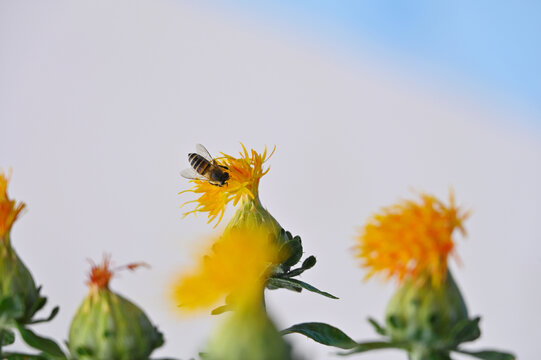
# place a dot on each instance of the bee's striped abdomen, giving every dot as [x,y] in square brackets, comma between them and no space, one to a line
[199,163]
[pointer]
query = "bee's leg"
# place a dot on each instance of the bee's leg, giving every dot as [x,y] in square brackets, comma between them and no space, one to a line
[224,167]
[215,183]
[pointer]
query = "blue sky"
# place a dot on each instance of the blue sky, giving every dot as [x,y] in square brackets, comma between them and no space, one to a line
[491,46]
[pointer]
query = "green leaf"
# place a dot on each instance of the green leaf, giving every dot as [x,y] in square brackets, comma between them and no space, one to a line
[285,236]
[7,337]
[322,333]
[374,345]
[439,355]
[488,354]
[46,345]
[466,330]
[309,262]
[38,304]
[377,327]
[161,340]
[293,251]
[301,284]
[220,310]
[295,272]
[22,356]
[51,316]
[11,307]
[84,351]
[279,283]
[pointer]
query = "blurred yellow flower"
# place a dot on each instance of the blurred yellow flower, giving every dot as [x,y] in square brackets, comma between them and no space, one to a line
[411,239]
[244,175]
[237,264]
[9,209]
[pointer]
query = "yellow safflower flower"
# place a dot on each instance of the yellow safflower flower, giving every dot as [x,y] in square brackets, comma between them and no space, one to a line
[244,175]
[411,239]
[237,264]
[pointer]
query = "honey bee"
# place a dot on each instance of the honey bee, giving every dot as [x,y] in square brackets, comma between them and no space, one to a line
[204,167]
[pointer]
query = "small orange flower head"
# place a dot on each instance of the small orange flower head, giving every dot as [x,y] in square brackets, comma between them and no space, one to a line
[411,239]
[9,209]
[244,175]
[101,274]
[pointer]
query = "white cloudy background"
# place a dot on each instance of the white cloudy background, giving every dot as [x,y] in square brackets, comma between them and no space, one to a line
[100,101]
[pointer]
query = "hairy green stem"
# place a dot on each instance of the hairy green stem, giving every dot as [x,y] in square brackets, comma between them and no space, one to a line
[1,340]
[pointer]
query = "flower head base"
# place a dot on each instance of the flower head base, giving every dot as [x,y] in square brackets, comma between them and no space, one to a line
[424,315]
[16,281]
[244,175]
[246,335]
[101,274]
[411,239]
[108,325]
[237,264]
[9,209]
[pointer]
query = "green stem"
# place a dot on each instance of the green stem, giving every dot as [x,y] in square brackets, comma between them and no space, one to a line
[1,340]
[263,303]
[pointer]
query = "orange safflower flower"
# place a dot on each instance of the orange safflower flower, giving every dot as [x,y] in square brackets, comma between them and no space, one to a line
[9,209]
[411,239]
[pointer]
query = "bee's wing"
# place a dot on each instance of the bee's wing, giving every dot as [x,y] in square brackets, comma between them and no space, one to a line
[201,150]
[192,175]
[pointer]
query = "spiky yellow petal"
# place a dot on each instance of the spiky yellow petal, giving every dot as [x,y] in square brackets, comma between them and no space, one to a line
[411,239]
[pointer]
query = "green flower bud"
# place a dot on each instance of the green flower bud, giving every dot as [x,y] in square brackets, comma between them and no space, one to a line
[423,314]
[16,280]
[107,326]
[248,334]
[251,214]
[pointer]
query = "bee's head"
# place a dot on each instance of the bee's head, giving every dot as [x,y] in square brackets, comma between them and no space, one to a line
[224,176]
